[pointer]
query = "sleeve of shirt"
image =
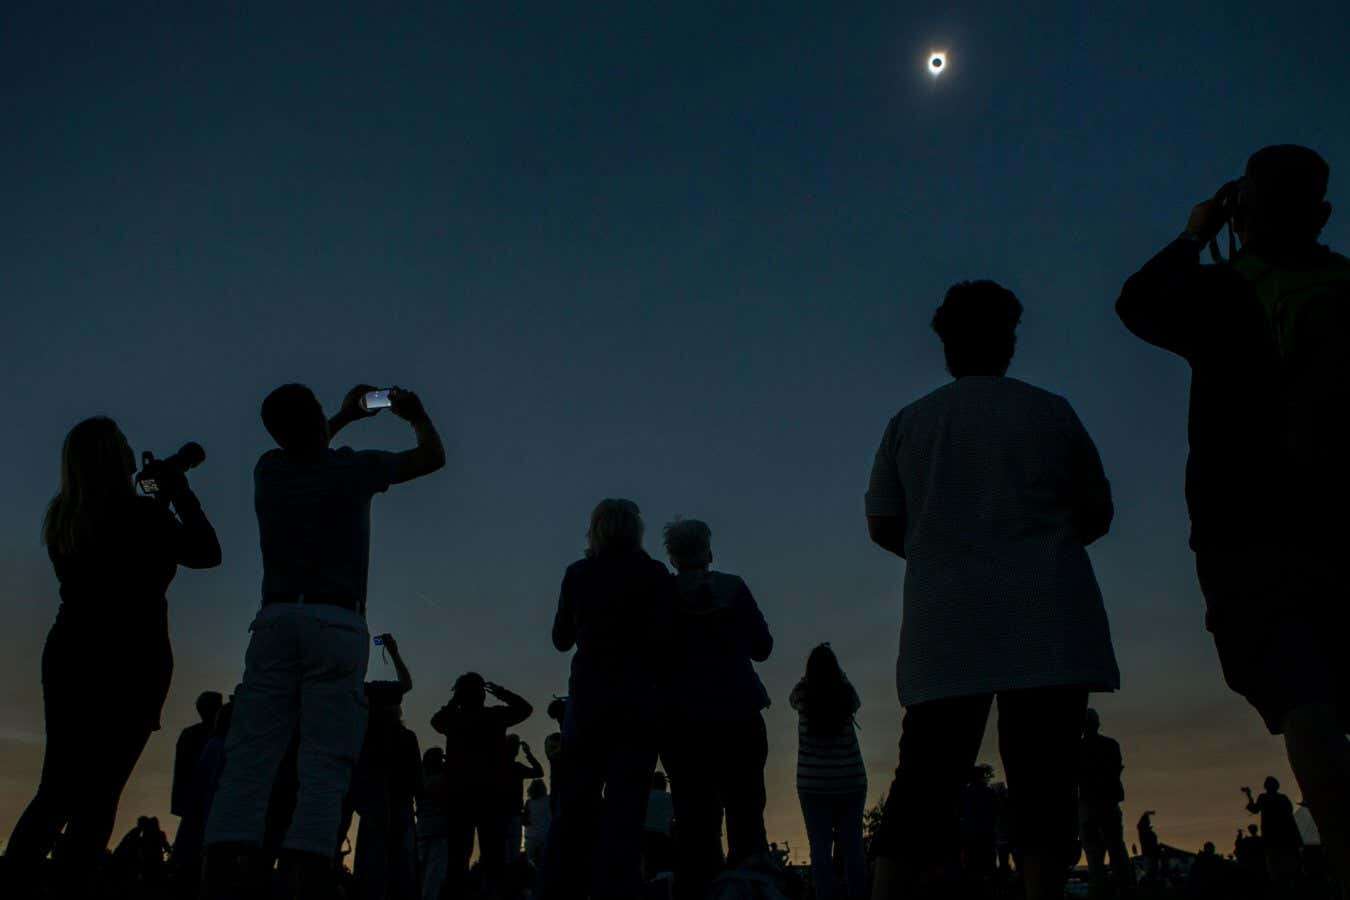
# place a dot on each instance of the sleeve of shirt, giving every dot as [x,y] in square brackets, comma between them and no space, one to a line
[758,640]
[1090,490]
[374,470]
[885,493]
[1164,302]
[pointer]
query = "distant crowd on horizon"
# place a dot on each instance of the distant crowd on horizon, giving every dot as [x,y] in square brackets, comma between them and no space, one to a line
[989,488]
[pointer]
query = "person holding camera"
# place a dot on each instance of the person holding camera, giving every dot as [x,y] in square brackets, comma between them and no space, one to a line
[114,554]
[306,661]
[1267,485]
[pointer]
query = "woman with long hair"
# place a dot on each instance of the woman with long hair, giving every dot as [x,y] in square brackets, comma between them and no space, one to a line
[107,662]
[831,778]
[615,608]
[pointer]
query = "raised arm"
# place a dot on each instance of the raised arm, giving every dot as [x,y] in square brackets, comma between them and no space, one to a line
[515,708]
[429,454]
[536,770]
[400,667]
[191,540]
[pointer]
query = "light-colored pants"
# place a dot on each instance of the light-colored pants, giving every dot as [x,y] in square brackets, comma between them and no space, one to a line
[304,674]
[434,855]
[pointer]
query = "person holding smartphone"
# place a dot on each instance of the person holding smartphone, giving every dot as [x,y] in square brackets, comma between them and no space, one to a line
[306,662]
[114,554]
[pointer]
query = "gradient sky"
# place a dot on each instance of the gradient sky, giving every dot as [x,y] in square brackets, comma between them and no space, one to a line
[682,256]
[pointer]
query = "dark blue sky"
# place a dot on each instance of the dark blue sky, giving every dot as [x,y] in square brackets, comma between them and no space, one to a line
[683,256]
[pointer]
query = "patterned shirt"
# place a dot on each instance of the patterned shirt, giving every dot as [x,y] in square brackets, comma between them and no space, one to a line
[999,489]
[828,762]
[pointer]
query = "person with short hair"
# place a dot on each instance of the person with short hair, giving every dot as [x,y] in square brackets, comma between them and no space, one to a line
[615,610]
[1267,486]
[714,743]
[991,490]
[114,555]
[188,751]
[306,661]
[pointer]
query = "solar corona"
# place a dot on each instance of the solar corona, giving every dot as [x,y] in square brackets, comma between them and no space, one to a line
[937,63]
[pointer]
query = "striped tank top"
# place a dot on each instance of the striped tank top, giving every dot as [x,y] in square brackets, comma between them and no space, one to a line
[828,763]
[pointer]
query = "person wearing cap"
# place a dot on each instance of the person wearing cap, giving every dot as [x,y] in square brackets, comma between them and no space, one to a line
[1267,484]
[991,490]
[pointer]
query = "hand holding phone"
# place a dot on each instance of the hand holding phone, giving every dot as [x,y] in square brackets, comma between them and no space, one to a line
[373,401]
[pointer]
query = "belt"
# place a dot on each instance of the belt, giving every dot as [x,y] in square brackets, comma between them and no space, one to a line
[314,600]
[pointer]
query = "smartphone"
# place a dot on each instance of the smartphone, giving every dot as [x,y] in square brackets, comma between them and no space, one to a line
[374,400]
[379,640]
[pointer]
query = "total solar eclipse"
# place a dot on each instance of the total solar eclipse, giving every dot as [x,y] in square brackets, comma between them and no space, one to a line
[937,62]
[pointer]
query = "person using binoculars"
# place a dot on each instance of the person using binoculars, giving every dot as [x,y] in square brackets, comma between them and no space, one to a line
[1267,485]
[115,554]
[305,666]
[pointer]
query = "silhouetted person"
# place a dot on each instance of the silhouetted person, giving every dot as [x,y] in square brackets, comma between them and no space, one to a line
[201,792]
[477,774]
[114,554]
[385,783]
[307,655]
[1100,822]
[658,829]
[1281,839]
[831,777]
[1250,851]
[992,490]
[615,608]
[141,853]
[1206,878]
[1149,847]
[433,824]
[517,775]
[1267,484]
[188,751]
[714,744]
[553,750]
[538,815]
[979,825]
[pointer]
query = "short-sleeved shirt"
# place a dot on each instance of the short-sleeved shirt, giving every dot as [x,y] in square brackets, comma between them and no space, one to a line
[999,488]
[314,520]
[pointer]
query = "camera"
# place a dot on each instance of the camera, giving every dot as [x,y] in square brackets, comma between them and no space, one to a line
[156,474]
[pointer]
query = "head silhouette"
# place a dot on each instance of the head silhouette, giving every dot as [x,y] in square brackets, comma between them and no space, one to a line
[557,709]
[470,691]
[1282,203]
[689,544]
[1253,830]
[977,323]
[96,469]
[209,704]
[294,418]
[1092,723]
[828,699]
[1272,784]
[512,746]
[616,527]
[433,761]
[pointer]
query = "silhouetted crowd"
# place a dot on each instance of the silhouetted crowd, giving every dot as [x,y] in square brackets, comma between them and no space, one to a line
[989,488]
